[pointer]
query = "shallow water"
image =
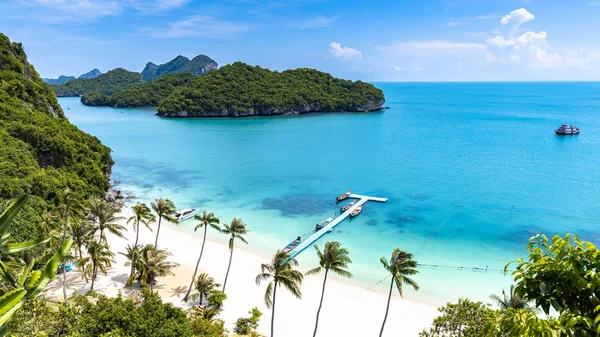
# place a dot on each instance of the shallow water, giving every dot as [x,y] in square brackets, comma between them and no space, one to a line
[471,170]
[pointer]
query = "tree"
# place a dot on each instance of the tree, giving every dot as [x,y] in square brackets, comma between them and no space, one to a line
[164,208]
[334,258]
[204,285]
[82,234]
[464,319]
[70,207]
[401,266]
[206,220]
[246,325]
[562,274]
[99,258]
[105,217]
[31,282]
[512,300]
[141,215]
[150,264]
[235,231]
[281,272]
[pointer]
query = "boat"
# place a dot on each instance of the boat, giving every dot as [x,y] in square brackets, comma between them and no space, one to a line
[185,214]
[567,130]
[344,196]
[325,222]
[347,207]
[292,245]
[356,211]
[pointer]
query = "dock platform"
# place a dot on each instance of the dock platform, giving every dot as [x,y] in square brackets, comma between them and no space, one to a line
[316,236]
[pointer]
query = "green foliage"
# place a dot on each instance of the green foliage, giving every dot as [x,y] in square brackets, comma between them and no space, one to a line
[142,95]
[108,83]
[563,275]
[216,298]
[41,153]
[103,316]
[198,65]
[242,90]
[246,325]
[464,319]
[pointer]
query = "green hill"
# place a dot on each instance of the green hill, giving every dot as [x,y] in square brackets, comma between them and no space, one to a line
[239,90]
[58,81]
[108,83]
[141,95]
[199,65]
[40,151]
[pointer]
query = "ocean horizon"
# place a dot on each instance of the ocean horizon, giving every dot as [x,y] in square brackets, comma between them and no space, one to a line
[472,170]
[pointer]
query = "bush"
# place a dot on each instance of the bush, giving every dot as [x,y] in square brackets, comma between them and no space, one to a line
[246,325]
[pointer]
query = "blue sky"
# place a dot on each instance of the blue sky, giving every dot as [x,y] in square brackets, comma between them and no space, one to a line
[460,40]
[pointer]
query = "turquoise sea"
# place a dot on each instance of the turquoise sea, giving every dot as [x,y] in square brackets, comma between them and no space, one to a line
[471,170]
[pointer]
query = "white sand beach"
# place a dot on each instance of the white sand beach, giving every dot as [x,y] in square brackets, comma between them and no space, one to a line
[344,312]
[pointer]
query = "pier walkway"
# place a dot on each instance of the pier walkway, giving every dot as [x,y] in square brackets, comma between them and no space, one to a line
[313,238]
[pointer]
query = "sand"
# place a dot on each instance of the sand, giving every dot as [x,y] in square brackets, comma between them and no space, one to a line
[348,310]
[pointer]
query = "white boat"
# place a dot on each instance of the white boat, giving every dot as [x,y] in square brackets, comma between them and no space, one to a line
[185,214]
[567,130]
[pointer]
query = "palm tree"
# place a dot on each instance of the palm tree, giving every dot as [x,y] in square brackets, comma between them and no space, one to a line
[281,271]
[141,215]
[82,233]
[334,258]
[206,220]
[400,266]
[164,208]
[150,264]
[108,220]
[99,258]
[512,300]
[204,285]
[70,207]
[235,230]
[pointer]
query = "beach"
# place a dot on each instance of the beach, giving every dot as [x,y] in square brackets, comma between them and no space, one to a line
[348,310]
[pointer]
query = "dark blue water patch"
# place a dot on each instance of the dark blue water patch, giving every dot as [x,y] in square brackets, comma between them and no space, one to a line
[199,202]
[420,208]
[128,171]
[522,235]
[372,222]
[296,205]
[404,220]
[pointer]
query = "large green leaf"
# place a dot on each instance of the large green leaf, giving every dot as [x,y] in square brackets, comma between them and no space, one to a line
[11,302]
[49,270]
[10,212]
[12,248]
[26,272]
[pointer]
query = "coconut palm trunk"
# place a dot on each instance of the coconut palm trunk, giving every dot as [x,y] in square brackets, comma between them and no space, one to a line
[387,309]
[157,231]
[64,261]
[320,303]
[94,273]
[187,295]
[228,267]
[273,308]
[137,237]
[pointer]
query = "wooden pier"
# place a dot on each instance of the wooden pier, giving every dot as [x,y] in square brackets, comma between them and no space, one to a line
[313,238]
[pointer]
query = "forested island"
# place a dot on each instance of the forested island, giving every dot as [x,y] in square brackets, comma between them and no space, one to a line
[109,83]
[240,90]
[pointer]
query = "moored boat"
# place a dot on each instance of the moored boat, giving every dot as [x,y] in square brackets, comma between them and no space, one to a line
[356,211]
[567,130]
[325,222]
[344,196]
[292,245]
[347,207]
[185,214]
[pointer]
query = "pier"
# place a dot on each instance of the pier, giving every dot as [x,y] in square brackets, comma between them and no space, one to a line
[313,238]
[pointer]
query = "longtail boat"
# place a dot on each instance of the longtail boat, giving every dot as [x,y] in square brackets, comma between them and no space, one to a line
[325,222]
[344,196]
[347,207]
[292,245]
[356,211]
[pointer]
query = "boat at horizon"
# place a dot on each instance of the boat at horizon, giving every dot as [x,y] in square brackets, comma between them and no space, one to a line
[567,130]
[185,214]
[348,206]
[356,211]
[344,196]
[325,222]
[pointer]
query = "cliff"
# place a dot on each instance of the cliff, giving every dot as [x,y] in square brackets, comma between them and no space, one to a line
[91,74]
[199,65]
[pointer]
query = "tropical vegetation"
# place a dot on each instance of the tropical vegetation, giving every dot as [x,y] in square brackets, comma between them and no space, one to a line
[280,271]
[99,259]
[236,230]
[203,286]
[108,83]
[199,65]
[150,263]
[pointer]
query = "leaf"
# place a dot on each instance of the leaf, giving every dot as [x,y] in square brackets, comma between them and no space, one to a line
[10,212]
[12,248]
[11,302]
[49,271]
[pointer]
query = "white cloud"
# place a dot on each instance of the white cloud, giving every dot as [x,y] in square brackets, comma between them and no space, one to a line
[201,26]
[154,6]
[594,3]
[531,38]
[499,41]
[398,68]
[347,53]
[517,17]
[77,10]
[317,22]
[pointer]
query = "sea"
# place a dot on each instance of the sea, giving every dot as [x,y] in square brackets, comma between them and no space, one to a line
[472,171]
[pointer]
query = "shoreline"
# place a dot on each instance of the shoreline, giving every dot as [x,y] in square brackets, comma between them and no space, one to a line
[360,310]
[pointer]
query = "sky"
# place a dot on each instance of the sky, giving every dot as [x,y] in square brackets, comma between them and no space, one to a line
[402,40]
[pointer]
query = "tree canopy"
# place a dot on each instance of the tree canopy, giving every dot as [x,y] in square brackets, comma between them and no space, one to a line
[108,83]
